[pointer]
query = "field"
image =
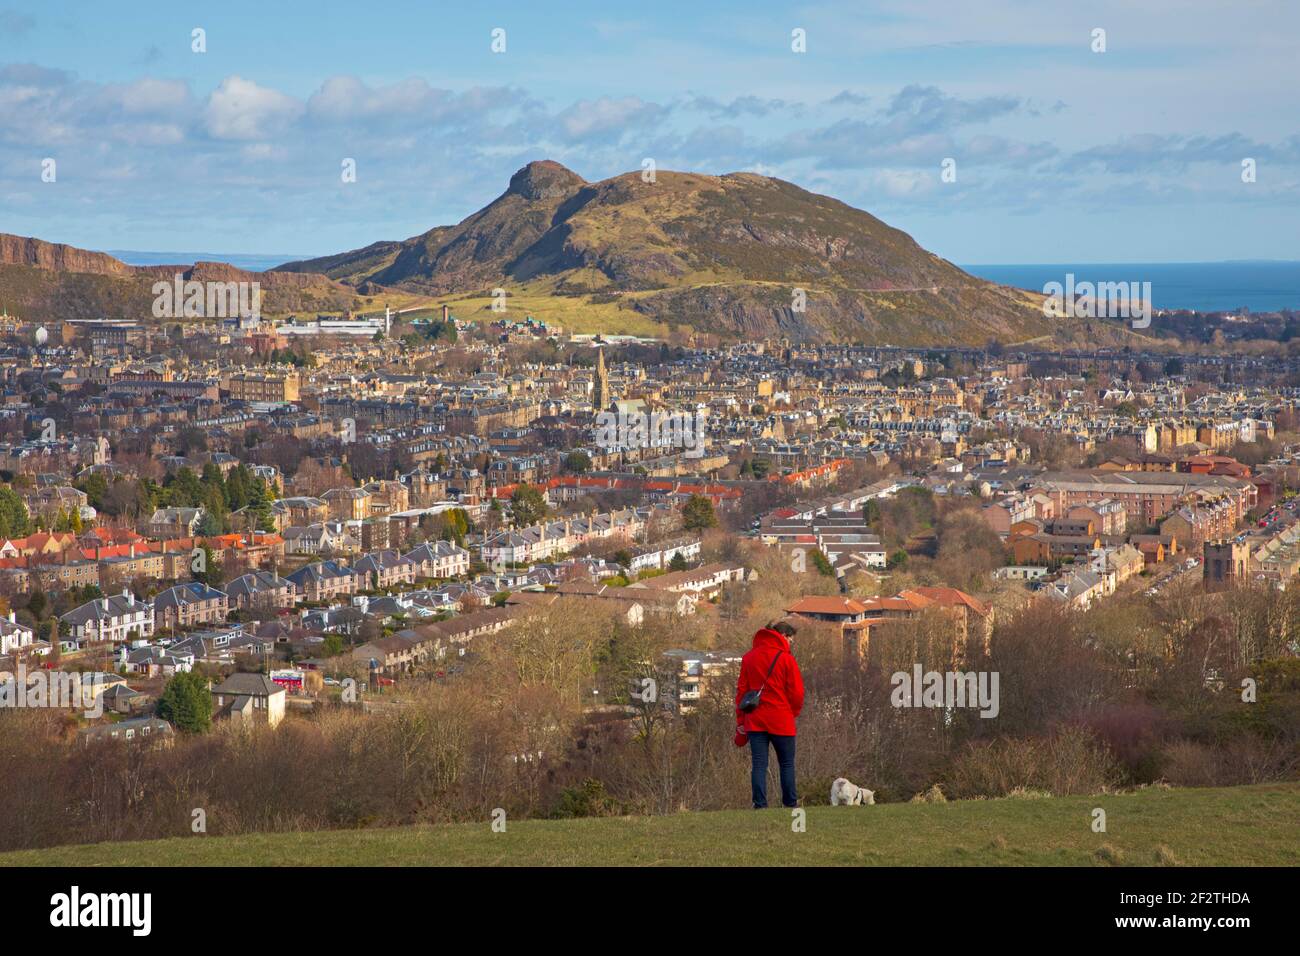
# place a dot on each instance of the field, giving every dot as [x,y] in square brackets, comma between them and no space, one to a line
[574,313]
[1238,826]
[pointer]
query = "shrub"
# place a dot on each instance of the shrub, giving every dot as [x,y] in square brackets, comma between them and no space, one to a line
[186,702]
[589,799]
[934,795]
[1165,857]
[1070,761]
[1023,793]
[1134,733]
[1109,855]
[815,791]
[1246,759]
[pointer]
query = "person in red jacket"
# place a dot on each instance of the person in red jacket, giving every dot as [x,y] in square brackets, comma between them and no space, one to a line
[772,723]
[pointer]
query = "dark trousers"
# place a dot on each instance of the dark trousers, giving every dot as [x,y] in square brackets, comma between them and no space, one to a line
[758,743]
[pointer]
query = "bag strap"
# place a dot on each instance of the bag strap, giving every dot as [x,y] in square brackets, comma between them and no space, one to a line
[770,668]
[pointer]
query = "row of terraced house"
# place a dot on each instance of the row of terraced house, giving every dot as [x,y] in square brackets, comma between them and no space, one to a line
[121,618]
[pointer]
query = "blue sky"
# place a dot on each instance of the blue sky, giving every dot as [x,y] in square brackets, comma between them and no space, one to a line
[1062,154]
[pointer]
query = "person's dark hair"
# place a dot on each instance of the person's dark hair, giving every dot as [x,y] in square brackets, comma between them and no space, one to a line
[785,628]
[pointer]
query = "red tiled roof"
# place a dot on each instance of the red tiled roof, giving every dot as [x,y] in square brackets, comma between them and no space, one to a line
[815,604]
[952,597]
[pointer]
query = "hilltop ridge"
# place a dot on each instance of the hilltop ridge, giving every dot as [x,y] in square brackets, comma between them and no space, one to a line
[722,254]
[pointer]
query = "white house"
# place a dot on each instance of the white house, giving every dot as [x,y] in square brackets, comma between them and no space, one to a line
[119,618]
[438,559]
[14,636]
[657,557]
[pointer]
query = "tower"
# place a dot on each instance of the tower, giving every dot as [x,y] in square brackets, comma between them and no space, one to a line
[1225,564]
[601,398]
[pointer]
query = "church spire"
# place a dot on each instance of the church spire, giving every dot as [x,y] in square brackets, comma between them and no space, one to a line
[601,398]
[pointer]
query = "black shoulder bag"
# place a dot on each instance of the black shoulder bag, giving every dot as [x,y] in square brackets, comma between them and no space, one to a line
[749,703]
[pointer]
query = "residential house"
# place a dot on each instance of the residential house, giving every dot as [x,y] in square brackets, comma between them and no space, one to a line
[1208,519]
[705,582]
[391,655]
[14,637]
[657,557]
[438,559]
[153,660]
[150,730]
[382,570]
[299,512]
[175,522]
[189,605]
[1156,548]
[635,603]
[348,504]
[852,618]
[1107,516]
[249,698]
[695,672]
[327,538]
[261,589]
[324,581]
[118,618]
[1080,588]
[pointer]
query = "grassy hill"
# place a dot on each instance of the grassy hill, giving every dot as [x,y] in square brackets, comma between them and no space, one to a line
[722,254]
[1237,826]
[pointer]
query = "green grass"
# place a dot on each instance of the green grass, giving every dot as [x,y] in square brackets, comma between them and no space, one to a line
[1239,826]
[575,313]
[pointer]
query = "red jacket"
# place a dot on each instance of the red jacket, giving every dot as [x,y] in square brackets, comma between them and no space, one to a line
[782,698]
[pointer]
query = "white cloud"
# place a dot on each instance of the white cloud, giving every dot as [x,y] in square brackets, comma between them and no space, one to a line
[343,98]
[150,96]
[404,104]
[607,115]
[240,109]
[898,183]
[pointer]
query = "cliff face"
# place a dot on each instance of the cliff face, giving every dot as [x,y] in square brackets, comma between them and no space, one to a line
[722,253]
[23,251]
[48,281]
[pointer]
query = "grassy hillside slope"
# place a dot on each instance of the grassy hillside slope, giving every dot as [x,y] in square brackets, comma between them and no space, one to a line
[1236,826]
[723,254]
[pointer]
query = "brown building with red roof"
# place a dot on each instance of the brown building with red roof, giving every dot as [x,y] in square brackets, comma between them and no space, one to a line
[858,618]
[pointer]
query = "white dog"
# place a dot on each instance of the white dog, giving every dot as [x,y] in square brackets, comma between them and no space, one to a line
[850,794]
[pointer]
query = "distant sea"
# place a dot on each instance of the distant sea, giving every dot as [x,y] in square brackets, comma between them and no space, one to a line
[253,263]
[1256,285]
